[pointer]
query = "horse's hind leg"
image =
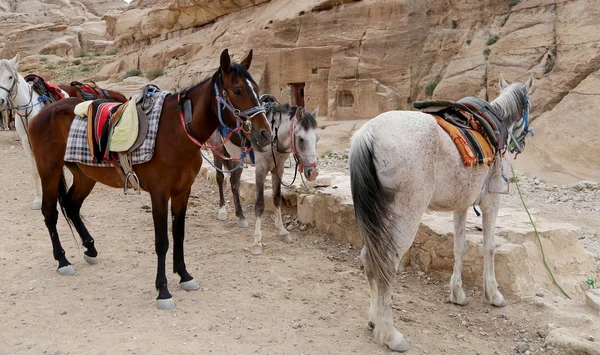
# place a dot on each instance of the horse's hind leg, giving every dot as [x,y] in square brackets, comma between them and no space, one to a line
[178,210]
[234,181]
[490,204]
[51,183]
[457,295]
[79,191]
[220,179]
[283,233]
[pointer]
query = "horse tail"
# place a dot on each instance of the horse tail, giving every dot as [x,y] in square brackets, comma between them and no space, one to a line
[372,208]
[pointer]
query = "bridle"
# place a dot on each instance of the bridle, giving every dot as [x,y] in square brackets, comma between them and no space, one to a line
[243,123]
[517,144]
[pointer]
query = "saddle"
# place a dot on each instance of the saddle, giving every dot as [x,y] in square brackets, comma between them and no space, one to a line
[116,129]
[474,127]
[90,90]
[48,91]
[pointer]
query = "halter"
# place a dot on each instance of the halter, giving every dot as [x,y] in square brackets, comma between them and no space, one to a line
[297,156]
[243,117]
[517,144]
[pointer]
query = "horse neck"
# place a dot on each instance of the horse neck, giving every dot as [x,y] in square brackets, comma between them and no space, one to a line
[508,106]
[23,97]
[282,124]
[204,117]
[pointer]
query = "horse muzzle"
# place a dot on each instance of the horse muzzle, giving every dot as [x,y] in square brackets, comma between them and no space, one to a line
[311,173]
[260,137]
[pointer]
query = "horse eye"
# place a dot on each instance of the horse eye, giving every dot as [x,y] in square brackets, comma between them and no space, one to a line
[300,139]
[237,92]
[10,78]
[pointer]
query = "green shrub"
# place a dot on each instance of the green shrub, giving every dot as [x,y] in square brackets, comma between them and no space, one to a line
[430,88]
[155,73]
[134,72]
[76,62]
[492,40]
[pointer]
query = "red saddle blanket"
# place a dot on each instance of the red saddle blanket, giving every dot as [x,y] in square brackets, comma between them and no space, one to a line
[102,115]
[42,87]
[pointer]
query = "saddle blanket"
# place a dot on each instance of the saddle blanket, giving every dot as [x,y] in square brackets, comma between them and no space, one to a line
[473,147]
[78,142]
[52,92]
[89,90]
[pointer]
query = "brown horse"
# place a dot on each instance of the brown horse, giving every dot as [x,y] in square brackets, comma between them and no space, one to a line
[168,175]
[112,95]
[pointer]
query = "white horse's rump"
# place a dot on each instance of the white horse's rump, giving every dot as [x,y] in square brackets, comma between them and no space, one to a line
[401,164]
[17,94]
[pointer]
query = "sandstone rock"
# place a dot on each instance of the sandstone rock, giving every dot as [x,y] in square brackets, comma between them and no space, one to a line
[592,298]
[101,7]
[570,342]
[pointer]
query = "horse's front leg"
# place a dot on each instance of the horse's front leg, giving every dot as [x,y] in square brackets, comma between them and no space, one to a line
[457,294]
[490,204]
[275,179]
[22,131]
[178,210]
[161,245]
[234,181]
[259,208]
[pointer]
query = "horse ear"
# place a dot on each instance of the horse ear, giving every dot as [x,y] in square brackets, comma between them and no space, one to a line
[15,61]
[246,62]
[503,84]
[315,112]
[225,62]
[299,113]
[529,83]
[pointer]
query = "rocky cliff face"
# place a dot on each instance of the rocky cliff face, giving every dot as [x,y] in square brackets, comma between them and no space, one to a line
[55,27]
[356,59]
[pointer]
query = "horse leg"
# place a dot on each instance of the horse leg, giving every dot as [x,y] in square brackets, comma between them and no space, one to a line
[490,204]
[22,131]
[79,191]
[380,312]
[178,210]
[220,179]
[52,184]
[259,208]
[283,233]
[234,181]
[457,295]
[161,246]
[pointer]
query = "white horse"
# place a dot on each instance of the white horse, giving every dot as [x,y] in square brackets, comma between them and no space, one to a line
[18,95]
[401,164]
[294,132]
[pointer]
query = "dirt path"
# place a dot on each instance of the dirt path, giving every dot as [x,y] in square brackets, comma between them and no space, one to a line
[309,297]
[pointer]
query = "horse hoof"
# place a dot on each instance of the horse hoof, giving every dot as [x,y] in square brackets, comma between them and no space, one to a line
[166,304]
[398,343]
[222,214]
[286,238]
[191,285]
[243,223]
[256,250]
[36,205]
[90,260]
[498,300]
[66,270]
[460,300]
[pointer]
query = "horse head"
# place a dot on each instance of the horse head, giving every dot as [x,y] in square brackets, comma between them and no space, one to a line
[514,101]
[304,142]
[238,89]
[9,80]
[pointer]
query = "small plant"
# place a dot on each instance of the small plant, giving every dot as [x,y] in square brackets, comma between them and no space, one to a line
[577,188]
[430,88]
[590,282]
[493,39]
[468,41]
[513,179]
[112,52]
[134,72]
[50,66]
[514,3]
[356,74]
[155,73]
[487,52]
[83,55]
[76,62]
[85,69]
[43,59]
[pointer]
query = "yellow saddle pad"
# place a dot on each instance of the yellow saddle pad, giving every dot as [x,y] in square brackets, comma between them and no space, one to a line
[126,130]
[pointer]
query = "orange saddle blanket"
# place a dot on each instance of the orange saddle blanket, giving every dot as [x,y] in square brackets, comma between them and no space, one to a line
[473,147]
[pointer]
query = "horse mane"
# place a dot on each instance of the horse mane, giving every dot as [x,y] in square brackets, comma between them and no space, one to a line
[307,120]
[510,105]
[237,69]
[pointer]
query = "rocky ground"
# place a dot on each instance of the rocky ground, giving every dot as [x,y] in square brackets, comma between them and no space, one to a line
[578,204]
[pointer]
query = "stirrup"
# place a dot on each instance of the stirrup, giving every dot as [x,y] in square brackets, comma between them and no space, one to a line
[136,184]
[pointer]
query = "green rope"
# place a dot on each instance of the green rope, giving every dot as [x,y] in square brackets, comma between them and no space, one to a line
[536,234]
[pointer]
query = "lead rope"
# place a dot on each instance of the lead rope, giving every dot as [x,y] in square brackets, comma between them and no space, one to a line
[536,234]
